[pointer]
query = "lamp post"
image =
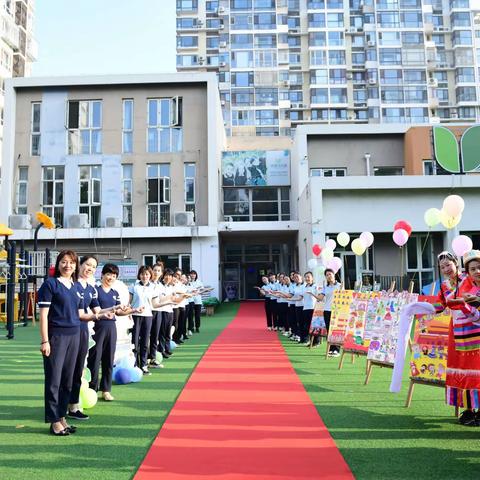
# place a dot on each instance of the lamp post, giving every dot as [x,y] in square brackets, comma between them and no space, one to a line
[9,279]
[367,161]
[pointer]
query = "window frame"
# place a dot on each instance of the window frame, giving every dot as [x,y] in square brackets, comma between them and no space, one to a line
[35,133]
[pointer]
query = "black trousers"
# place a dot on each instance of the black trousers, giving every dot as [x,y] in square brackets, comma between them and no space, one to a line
[164,337]
[268,312]
[180,329]
[189,315]
[176,314]
[275,313]
[140,339]
[283,315]
[79,365]
[103,353]
[154,334]
[305,327]
[197,310]
[59,367]
[327,315]
[292,319]
[299,318]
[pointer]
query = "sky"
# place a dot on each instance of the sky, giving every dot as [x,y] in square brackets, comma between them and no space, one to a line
[80,37]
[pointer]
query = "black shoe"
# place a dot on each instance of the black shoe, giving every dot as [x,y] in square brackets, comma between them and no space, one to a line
[61,433]
[179,342]
[166,355]
[468,418]
[185,337]
[71,428]
[154,364]
[197,330]
[78,415]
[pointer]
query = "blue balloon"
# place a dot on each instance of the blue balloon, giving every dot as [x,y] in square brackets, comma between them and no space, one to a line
[173,345]
[136,374]
[122,376]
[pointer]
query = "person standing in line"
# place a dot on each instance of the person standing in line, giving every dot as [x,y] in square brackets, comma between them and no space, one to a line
[197,298]
[326,294]
[178,308]
[309,300]
[189,309]
[267,289]
[105,328]
[292,316]
[183,288]
[157,273]
[298,299]
[286,305]
[274,290]
[280,295]
[165,335]
[176,312]
[141,295]
[60,308]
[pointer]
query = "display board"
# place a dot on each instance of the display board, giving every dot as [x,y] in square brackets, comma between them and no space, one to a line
[317,325]
[340,316]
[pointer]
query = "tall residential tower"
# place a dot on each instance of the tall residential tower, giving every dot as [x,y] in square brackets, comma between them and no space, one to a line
[285,62]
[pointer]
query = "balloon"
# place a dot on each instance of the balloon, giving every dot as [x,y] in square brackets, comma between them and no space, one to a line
[367,239]
[88,398]
[84,384]
[173,345]
[461,245]
[312,263]
[335,264]
[331,243]
[357,247]
[400,237]
[343,239]
[136,374]
[318,273]
[327,254]
[159,357]
[453,205]
[86,374]
[432,217]
[402,224]
[448,221]
[122,376]
[316,249]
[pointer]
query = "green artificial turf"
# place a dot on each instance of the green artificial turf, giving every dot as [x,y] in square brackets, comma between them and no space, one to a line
[113,443]
[378,437]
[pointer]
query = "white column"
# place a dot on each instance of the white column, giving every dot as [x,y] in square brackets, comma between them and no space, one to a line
[205,260]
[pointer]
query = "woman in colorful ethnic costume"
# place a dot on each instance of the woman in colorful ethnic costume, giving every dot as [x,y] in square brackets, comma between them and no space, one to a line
[463,363]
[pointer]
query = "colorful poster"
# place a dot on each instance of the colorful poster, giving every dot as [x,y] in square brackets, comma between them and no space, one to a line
[340,316]
[128,270]
[384,331]
[428,361]
[256,168]
[355,331]
[317,325]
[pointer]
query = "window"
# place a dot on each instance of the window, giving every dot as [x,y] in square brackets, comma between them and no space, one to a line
[265,41]
[466,94]
[186,22]
[241,21]
[318,57]
[336,57]
[338,95]
[390,56]
[127,189]
[462,37]
[319,77]
[187,41]
[316,20]
[165,125]
[319,95]
[52,192]
[22,189]
[465,74]
[411,19]
[35,129]
[256,204]
[187,60]
[90,193]
[420,266]
[127,132]
[84,127]
[187,5]
[316,39]
[328,172]
[265,21]
[242,79]
[334,20]
[389,77]
[171,261]
[335,39]
[460,19]
[415,94]
[387,171]
[265,58]
[158,194]
[414,76]
[242,59]
[337,75]
[266,96]
[189,174]
[266,117]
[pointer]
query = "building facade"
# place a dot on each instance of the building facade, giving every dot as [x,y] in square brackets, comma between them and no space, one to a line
[281,63]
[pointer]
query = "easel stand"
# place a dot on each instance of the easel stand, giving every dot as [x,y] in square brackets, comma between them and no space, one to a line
[417,381]
[354,353]
[374,363]
[339,345]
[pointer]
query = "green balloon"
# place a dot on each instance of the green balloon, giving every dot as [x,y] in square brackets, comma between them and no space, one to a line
[87,375]
[432,217]
[88,398]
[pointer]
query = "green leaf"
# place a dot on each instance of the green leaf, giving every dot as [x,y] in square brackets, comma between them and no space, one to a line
[446,149]
[470,145]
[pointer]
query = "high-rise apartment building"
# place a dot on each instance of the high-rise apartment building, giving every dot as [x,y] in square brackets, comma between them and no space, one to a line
[281,63]
[18,48]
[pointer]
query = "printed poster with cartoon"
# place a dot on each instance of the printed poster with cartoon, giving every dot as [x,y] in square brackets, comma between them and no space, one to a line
[317,325]
[384,333]
[340,315]
[428,361]
[360,311]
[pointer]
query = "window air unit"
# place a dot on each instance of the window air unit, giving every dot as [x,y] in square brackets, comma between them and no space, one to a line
[19,222]
[183,219]
[113,222]
[221,10]
[432,82]
[349,76]
[372,81]
[371,43]
[222,64]
[199,24]
[221,26]
[78,221]
[352,30]
[223,44]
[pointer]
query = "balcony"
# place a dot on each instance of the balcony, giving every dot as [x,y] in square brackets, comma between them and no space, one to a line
[32,49]
[10,33]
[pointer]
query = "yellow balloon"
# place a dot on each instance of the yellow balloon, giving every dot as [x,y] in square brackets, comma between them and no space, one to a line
[432,217]
[357,247]
[343,238]
[448,221]
[327,254]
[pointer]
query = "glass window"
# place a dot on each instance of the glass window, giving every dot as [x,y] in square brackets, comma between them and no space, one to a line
[164,128]
[319,95]
[319,76]
[390,56]
[336,57]
[127,131]
[90,178]
[52,192]
[414,76]
[187,41]
[189,175]
[316,20]
[338,95]
[465,74]
[84,127]
[316,39]
[35,129]
[22,189]
[335,39]
[334,20]
[158,194]
[390,76]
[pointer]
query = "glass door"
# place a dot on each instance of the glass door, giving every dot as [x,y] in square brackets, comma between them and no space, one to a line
[231,281]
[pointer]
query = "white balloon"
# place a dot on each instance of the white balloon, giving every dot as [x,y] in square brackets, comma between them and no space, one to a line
[331,243]
[312,263]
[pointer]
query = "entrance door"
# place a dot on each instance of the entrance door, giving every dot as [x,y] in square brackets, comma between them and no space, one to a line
[253,277]
[231,281]
[349,270]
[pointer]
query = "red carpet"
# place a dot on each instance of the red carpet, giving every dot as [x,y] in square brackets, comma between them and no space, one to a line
[244,414]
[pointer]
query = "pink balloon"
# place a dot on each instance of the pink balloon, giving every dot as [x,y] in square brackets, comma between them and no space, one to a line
[330,243]
[335,264]
[461,245]
[367,239]
[400,237]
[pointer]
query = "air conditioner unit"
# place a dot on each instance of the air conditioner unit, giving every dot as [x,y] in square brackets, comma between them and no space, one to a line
[372,81]
[352,30]
[222,103]
[227,218]
[201,60]
[295,105]
[432,82]
[294,29]
[453,113]
[183,219]
[371,43]
[221,26]
[349,76]
[222,64]
[351,117]
[19,222]
[222,44]
[285,83]
[78,221]
[199,24]
[221,9]
[113,222]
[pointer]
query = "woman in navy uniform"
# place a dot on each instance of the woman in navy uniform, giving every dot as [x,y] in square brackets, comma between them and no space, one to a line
[61,306]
